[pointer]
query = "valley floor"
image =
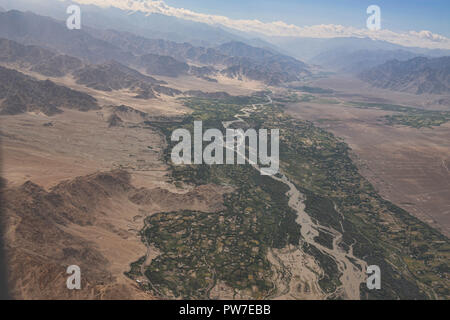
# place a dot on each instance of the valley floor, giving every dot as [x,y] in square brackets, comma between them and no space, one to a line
[82,191]
[407,165]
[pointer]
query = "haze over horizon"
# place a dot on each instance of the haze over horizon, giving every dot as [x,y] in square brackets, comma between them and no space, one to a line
[412,24]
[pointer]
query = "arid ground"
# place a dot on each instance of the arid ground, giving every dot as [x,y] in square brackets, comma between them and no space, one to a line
[408,166]
[119,178]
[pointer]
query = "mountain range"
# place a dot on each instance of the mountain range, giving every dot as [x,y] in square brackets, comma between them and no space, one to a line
[354,62]
[97,46]
[158,25]
[107,76]
[20,93]
[54,50]
[238,59]
[418,75]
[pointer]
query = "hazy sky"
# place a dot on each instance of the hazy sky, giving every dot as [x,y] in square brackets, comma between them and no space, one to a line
[416,23]
[397,15]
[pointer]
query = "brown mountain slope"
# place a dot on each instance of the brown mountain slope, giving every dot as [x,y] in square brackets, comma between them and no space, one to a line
[91,221]
[419,75]
[116,76]
[11,51]
[33,29]
[158,57]
[57,66]
[112,76]
[20,93]
[163,65]
[37,59]
[107,76]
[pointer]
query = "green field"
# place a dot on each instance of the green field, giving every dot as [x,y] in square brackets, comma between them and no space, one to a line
[200,249]
[408,116]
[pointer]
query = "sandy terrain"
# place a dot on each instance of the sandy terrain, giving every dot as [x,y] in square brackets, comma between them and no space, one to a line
[408,166]
[63,157]
[350,87]
[91,221]
[231,86]
[163,105]
[93,216]
[76,143]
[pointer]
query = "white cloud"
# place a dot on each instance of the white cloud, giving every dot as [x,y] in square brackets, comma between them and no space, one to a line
[425,39]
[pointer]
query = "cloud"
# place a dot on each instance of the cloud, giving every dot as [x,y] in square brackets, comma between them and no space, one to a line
[425,39]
